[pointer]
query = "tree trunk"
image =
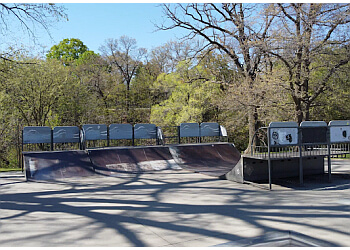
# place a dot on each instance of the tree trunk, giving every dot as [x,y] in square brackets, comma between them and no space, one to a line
[299,113]
[252,113]
[307,112]
[252,127]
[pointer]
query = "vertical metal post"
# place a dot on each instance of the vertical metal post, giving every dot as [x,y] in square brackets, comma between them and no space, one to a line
[300,144]
[329,164]
[51,145]
[178,134]
[107,136]
[83,141]
[80,141]
[329,154]
[157,138]
[269,157]
[22,158]
[133,135]
[199,132]
[18,146]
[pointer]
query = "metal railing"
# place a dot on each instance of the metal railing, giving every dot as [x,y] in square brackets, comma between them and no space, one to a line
[285,140]
[259,148]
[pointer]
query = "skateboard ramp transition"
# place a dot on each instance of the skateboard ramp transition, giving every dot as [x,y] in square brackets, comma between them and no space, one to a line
[216,159]
[110,161]
[57,165]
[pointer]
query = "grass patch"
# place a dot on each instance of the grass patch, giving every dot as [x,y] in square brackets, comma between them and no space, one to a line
[347,156]
[10,169]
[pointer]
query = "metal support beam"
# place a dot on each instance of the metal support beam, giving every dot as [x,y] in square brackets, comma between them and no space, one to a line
[301,172]
[329,157]
[269,157]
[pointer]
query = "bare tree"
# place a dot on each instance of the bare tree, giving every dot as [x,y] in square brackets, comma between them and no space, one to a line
[167,56]
[235,29]
[303,34]
[29,16]
[125,57]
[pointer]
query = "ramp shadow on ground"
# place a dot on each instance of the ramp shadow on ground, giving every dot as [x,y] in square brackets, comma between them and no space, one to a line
[167,208]
[340,181]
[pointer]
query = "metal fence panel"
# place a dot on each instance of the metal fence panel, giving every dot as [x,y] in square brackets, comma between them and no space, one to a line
[339,134]
[36,135]
[283,125]
[189,130]
[313,132]
[145,131]
[284,136]
[210,129]
[313,124]
[314,135]
[283,133]
[66,134]
[339,131]
[120,131]
[95,132]
[339,123]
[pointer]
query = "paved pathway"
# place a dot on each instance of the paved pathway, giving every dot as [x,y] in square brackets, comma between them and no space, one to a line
[170,208]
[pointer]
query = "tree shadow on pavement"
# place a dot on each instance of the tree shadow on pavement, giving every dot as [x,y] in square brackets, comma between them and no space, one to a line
[173,207]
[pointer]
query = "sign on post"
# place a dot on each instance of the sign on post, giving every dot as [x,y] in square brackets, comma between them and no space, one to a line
[283,133]
[339,131]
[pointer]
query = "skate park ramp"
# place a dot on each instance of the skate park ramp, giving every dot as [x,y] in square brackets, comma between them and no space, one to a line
[215,159]
[57,165]
[111,161]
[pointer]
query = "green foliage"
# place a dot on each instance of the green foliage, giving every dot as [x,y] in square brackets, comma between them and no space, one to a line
[141,98]
[190,92]
[69,50]
[334,104]
[87,57]
[9,133]
[34,89]
[206,88]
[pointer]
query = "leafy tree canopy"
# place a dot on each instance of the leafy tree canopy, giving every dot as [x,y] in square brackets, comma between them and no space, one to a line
[68,50]
[190,92]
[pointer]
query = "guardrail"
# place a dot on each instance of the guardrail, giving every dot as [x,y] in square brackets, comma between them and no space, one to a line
[101,135]
[283,140]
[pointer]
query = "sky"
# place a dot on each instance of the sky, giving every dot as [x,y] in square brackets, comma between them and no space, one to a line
[93,23]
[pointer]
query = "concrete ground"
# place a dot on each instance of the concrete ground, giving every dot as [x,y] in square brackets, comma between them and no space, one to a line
[171,208]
